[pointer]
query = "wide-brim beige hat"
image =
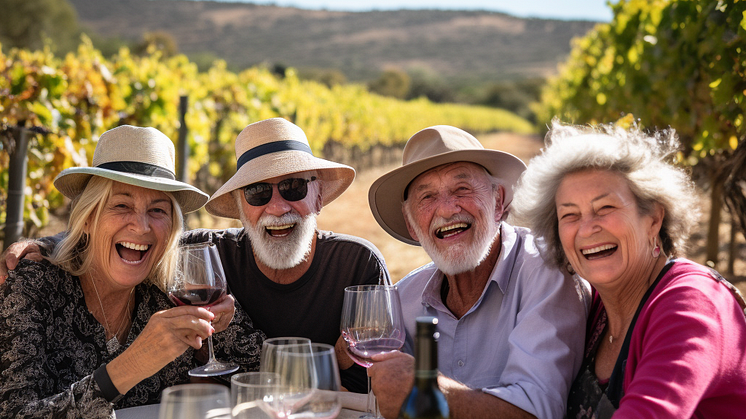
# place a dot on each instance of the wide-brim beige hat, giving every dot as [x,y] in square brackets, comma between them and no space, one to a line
[136,156]
[429,148]
[271,148]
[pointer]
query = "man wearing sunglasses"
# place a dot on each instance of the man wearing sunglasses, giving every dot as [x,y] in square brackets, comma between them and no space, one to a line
[288,276]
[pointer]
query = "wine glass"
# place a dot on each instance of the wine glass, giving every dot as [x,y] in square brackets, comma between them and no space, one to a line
[320,360]
[249,392]
[298,380]
[199,280]
[371,324]
[309,382]
[272,345]
[195,401]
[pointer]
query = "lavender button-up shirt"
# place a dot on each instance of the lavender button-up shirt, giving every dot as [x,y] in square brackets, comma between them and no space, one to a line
[522,341]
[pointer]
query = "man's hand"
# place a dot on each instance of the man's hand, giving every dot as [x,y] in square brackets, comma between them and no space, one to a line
[23,249]
[343,359]
[392,378]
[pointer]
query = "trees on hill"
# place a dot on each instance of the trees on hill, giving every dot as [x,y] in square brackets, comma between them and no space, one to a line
[26,24]
[670,63]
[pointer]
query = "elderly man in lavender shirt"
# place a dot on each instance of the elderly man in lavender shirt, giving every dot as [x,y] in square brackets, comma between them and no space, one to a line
[511,327]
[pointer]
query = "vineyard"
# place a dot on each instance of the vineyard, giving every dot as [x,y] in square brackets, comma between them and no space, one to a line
[68,102]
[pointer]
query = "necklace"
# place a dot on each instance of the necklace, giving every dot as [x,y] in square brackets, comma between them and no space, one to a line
[113,344]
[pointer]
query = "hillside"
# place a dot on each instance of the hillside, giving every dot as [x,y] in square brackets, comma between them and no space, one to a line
[457,45]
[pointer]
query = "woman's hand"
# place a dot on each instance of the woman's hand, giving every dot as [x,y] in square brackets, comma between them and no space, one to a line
[166,336]
[223,311]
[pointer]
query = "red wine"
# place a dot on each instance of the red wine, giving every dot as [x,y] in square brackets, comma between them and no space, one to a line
[361,352]
[425,401]
[202,296]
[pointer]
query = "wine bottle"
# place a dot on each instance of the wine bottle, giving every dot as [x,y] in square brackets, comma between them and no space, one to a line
[425,401]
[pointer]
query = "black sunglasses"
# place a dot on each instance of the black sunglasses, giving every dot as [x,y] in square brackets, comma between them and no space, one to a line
[291,189]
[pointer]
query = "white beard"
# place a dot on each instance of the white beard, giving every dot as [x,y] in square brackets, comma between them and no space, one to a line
[285,252]
[462,257]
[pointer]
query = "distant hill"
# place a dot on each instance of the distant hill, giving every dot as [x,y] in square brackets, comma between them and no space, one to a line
[458,45]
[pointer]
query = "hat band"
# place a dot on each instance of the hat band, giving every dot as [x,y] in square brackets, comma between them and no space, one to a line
[273,147]
[138,168]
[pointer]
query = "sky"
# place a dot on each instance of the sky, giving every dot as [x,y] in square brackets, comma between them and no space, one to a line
[595,10]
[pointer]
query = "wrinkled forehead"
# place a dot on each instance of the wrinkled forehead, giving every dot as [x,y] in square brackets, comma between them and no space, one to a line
[459,170]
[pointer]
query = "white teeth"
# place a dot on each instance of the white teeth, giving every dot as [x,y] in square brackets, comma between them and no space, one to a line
[133,246]
[280,227]
[452,227]
[597,249]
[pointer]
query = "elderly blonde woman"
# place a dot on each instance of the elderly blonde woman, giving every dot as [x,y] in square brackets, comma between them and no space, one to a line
[89,329]
[666,336]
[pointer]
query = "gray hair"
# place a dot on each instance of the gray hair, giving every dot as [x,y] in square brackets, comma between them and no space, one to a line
[644,160]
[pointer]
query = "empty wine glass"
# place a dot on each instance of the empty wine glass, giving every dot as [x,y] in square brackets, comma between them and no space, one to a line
[249,392]
[272,345]
[199,280]
[371,324]
[324,402]
[298,380]
[195,401]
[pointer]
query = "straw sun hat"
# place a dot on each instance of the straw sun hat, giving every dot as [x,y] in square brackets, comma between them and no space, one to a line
[271,148]
[429,148]
[136,156]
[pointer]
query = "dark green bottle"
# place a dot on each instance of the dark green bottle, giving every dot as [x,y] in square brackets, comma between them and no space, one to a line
[426,400]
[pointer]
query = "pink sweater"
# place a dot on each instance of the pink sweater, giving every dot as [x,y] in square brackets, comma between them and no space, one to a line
[687,352]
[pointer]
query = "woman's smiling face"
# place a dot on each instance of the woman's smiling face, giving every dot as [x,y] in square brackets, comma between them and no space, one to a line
[131,234]
[603,234]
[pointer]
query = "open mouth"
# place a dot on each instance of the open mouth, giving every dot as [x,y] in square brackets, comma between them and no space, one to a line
[599,251]
[281,230]
[131,252]
[451,230]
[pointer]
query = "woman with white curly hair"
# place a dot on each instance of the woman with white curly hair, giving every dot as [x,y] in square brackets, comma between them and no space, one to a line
[665,336]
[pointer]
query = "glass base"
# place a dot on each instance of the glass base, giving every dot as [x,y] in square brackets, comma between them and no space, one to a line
[214,368]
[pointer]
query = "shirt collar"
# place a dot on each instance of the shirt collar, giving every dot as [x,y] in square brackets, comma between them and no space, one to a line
[501,272]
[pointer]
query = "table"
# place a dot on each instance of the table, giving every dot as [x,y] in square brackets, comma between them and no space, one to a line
[353,406]
[151,412]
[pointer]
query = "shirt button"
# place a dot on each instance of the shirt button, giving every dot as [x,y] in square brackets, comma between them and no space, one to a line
[460,363]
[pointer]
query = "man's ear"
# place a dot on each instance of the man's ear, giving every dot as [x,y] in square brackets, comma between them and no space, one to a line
[319,203]
[499,202]
[409,227]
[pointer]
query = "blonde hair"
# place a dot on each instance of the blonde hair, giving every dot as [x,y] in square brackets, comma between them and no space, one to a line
[74,253]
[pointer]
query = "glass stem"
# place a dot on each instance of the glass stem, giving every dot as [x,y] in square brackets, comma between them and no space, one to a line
[211,354]
[369,406]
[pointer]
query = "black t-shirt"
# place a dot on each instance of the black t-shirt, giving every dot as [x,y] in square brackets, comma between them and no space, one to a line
[309,307]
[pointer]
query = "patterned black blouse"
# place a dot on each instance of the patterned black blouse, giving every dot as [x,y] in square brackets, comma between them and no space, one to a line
[50,345]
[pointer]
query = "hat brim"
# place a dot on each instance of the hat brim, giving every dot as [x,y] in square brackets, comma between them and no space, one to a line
[386,194]
[335,177]
[71,183]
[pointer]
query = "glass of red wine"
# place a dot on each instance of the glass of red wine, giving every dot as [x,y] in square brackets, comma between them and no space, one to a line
[199,280]
[371,324]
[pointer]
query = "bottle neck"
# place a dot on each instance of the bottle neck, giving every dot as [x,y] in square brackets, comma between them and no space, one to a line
[426,356]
